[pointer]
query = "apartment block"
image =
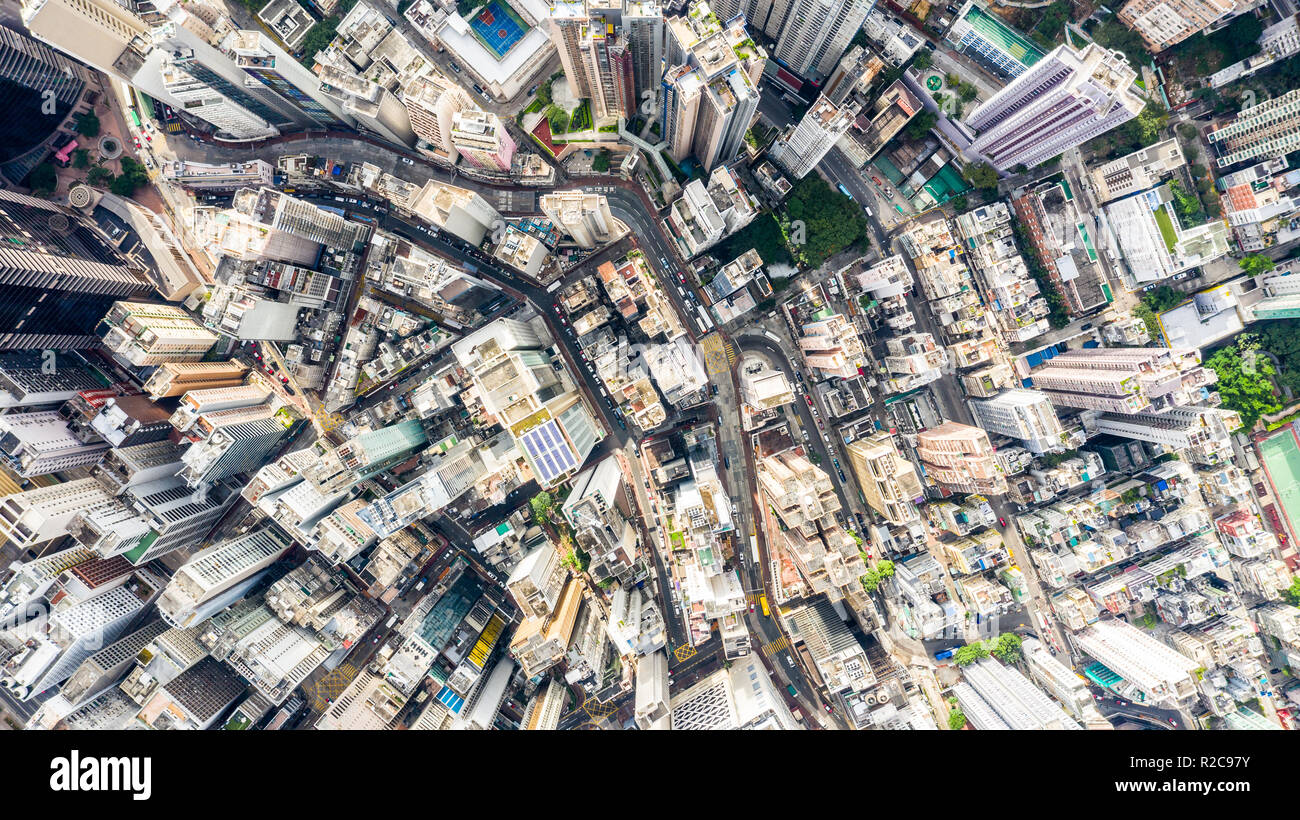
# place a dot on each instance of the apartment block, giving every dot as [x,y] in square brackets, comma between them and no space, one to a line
[1163,23]
[959,458]
[1025,415]
[887,479]
[705,213]
[1126,381]
[1262,131]
[147,334]
[585,217]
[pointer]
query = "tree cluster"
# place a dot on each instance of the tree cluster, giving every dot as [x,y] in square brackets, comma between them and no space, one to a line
[832,221]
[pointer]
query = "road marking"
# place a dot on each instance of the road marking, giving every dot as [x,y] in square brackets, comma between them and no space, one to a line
[779,645]
[684,652]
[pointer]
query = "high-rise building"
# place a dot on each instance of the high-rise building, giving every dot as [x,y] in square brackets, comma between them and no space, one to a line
[643,26]
[296,90]
[108,666]
[1025,415]
[840,660]
[804,146]
[458,211]
[482,140]
[37,515]
[96,32]
[1062,101]
[147,334]
[833,346]
[888,480]
[59,276]
[959,458]
[583,216]
[1125,380]
[150,519]
[710,89]
[704,214]
[599,56]
[41,443]
[1269,129]
[176,378]
[741,697]
[652,710]
[1163,23]
[816,33]
[374,451]
[537,580]
[1200,435]
[432,102]
[230,442]
[219,575]
[39,87]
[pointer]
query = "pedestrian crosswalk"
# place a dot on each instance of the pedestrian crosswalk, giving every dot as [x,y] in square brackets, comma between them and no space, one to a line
[731,354]
[779,645]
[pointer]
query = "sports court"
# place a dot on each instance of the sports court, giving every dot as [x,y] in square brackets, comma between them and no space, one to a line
[1281,454]
[498,27]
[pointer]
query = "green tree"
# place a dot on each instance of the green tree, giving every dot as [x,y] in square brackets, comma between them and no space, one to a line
[134,175]
[968,654]
[920,125]
[1254,264]
[320,36]
[886,569]
[1163,298]
[1292,593]
[831,221]
[81,159]
[99,176]
[956,720]
[88,124]
[43,179]
[981,175]
[960,204]
[922,59]
[1245,379]
[1115,35]
[541,505]
[1006,648]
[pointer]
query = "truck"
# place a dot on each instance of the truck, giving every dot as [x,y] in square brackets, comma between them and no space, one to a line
[554,286]
[790,688]
[945,654]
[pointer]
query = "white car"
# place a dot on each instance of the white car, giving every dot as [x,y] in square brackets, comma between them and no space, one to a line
[408,160]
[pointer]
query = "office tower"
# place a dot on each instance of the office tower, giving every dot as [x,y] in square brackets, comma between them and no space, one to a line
[652,710]
[1025,415]
[983,37]
[147,334]
[34,516]
[741,697]
[705,213]
[482,140]
[840,660]
[296,90]
[634,624]
[888,480]
[230,442]
[96,32]
[30,378]
[816,34]
[458,211]
[175,378]
[60,275]
[1269,129]
[1125,380]
[518,386]
[959,458]
[219,575]
[1163,23]
[209,400]
[833,346]
[1200,435]
[432,102]
[374,451]
[643,26]
[28,70]
[537,580]
[291,218]
[584,217]
[1158,671]
[107,666]
[201,91]
[1062,101]
[710,91]
[41,443]
[598,509]
[804,146]
[127,420]
[540,643]
[124,468]
[994,696]
[76,632]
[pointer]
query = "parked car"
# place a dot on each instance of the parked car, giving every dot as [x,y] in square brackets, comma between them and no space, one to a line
[408,160]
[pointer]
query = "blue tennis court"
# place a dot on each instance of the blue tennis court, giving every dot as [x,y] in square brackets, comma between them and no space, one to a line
[498,27]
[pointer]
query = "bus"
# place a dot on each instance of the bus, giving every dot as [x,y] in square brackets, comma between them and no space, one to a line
[706,324]
[135,118]
[845,191]
[762,601]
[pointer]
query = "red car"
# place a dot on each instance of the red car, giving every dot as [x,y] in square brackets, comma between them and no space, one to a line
[808,399]
[1002,522]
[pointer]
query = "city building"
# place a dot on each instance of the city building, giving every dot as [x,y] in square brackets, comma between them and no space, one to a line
[887,479]
[219,575]
[1025,415]
[1062,101]
[652,711]
[1161,674]
[537,581]
[41,88]
[710,88]
[816,33]
[1277,42]
[763,390]
[1148,240]
[596,56]
[804,146]
[838,657]
[995,696]
[634,624]
[482,140]
[146,334]
[41,442]
[983,37]
[176,378]
[704,214]
[585,217]
[1125,380]
[61,276]
[1262,131]
[458,211]
[1058,231]
[888,114]
[1137,171]
[833,346]
[741,697]
[43,513]
[1261,203]
[1201,435]
[959,458]
[1163,23]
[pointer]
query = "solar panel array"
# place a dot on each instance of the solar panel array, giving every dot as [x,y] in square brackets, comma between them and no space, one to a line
[549,451]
